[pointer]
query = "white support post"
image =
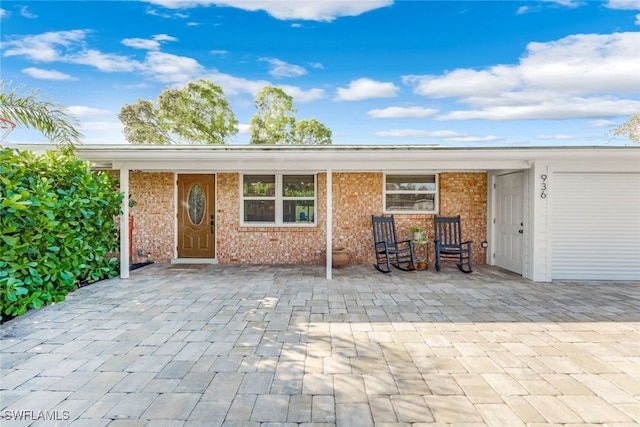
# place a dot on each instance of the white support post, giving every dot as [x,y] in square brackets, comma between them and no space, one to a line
[124,225]
[329,215]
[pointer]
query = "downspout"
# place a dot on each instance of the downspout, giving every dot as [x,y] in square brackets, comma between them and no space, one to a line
[329,232]
[124,224]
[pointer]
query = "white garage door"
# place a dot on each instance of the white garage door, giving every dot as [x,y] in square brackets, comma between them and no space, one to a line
[595,226]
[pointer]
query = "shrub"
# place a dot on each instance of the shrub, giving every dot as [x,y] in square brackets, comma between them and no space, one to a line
[57,225]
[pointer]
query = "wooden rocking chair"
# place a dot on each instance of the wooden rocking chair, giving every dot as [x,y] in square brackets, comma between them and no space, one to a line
[390,251]
[449,245]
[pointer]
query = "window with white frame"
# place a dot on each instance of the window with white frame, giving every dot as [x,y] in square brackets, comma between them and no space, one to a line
[278,199]
[413,193]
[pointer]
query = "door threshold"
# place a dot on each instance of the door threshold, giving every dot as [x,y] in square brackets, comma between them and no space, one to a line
[194,261]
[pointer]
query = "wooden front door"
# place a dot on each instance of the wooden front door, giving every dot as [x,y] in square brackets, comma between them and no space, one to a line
[196,216]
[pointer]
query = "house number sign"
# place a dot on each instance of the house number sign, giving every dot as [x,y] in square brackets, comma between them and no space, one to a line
[543,186]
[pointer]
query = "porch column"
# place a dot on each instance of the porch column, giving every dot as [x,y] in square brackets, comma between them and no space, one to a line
[329,232]
[124,224]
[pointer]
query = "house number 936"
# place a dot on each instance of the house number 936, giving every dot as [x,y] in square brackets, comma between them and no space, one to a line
[543,186]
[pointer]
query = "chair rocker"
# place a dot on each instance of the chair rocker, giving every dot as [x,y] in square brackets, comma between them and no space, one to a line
[390,251]
[449,245]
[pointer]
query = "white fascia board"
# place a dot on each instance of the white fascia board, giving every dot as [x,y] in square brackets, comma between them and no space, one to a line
[340,158]
[337,160]
[406,166]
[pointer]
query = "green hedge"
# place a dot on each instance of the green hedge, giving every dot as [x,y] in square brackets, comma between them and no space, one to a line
[57,227]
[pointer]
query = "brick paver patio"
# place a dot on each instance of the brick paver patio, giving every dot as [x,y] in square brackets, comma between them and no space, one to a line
[280,345]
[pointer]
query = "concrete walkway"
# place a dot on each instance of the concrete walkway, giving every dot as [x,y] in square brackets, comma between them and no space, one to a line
[280,345]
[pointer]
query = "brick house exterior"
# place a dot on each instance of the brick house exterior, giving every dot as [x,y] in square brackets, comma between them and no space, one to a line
[546,213]
[356,196]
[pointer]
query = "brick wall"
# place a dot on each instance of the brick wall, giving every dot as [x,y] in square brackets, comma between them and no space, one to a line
[264,245]
[153,215]
[465,194]
[356,196]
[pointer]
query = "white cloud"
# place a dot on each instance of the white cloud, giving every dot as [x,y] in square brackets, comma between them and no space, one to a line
[83,111]
[469,138]
[623,4]
[165,15]
[364,88]
[4,13]
[67,47]
[466,82]
[601,123]
[43,47]
[24,11]
[402,112]
[148,44]
[141,43]
[168,68]
[326,10]
[218,52]
[70,47]
[104,62]
[584,63]
[101,126]
[303,96]
[164,38]
[445,135]
[154,12]
[563,137]
[551,108]
[134,86]
[404,133]
[233,86]
[280,68]
[38,73]
[555,80]
[566,3]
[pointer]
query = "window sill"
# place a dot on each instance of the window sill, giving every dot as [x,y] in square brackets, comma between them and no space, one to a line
[249,228]
[409,212]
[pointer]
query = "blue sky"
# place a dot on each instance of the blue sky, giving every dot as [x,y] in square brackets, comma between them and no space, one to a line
[454,73]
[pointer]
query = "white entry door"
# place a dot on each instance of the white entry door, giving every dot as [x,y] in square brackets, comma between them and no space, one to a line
[509,221]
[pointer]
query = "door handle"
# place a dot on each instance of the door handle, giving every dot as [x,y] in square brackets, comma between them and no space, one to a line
[521,231]
[213,223]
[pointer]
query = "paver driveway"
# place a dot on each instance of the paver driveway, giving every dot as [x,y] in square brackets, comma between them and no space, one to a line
[280,345]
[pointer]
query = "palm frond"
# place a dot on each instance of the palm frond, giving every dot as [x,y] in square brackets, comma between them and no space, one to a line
[29,110]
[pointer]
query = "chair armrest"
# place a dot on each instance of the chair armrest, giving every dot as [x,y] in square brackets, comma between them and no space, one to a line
[404,245]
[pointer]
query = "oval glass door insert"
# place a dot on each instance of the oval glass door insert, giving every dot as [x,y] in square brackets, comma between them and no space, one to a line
[196,202]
